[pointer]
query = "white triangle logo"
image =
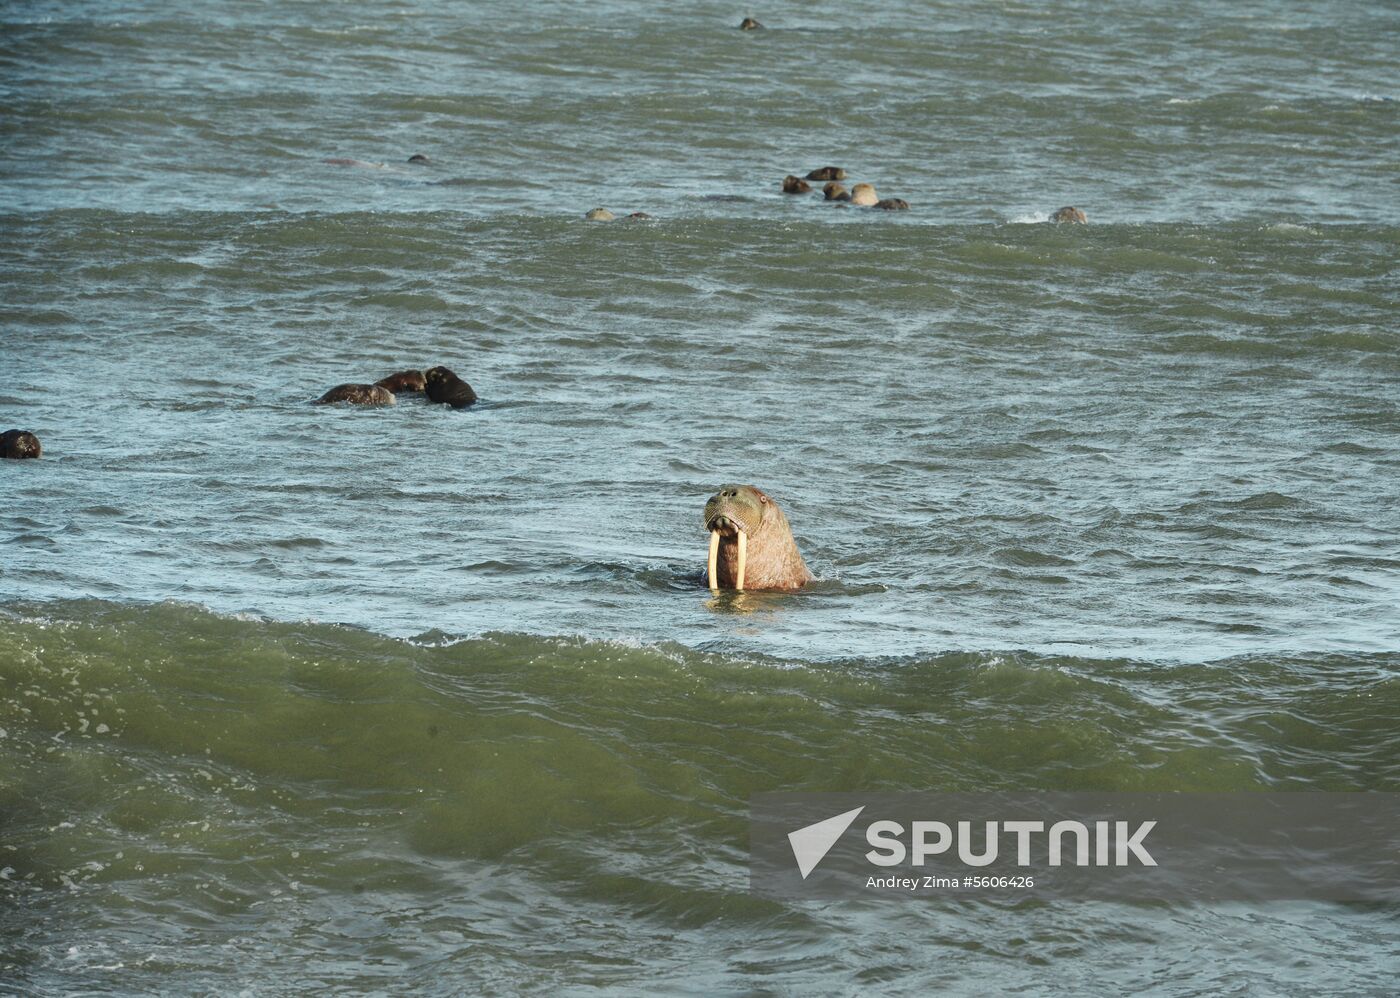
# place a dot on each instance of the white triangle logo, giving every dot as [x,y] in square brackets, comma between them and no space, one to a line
[811,844]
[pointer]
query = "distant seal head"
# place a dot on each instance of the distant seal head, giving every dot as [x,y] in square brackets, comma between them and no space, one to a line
[418,159]
[835,192]
[639,216]
[599,215]
[751,544]
[357,395]
[403,381]
[442,386]
[1070,214]
[892,204]
[795,185]
[827,173]
[19,444]
[864,194]
[749,24]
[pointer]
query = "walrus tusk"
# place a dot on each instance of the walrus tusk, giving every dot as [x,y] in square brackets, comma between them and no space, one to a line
[713,577]
[743,557]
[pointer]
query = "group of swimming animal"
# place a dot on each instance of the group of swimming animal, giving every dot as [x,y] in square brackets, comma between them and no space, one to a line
[859,194]
[862,194]
[751,543]
[439,384]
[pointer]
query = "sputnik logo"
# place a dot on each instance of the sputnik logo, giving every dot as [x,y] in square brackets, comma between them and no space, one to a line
[811,843]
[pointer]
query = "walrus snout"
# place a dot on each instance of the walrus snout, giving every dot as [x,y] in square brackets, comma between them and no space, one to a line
[726,526]
[733,509]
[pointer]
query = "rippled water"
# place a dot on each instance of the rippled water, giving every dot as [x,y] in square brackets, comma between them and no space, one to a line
[1092,507]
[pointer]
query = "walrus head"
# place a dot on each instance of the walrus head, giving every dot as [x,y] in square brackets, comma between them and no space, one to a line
[403,381]
[442,385]
[1070,214]
[751,544]
[864,194]
[19,444]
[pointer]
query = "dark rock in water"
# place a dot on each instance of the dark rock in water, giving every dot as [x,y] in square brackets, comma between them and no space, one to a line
[445,387]
[19,444]
[403,381]
[1072,215]
[749,24]
[892,204]
[357,395]
[828,173]
[835,192]
[795,185]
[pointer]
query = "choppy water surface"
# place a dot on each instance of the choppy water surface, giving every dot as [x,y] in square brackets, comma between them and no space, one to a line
[1093,507]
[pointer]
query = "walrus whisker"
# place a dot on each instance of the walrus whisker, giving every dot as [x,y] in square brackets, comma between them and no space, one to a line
[743,557]
[713,578]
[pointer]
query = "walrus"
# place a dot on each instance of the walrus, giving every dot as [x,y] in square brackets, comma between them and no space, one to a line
[443,386]
[1070,214]
[751,545]
[835,192]
[418,159]
[19,444]
[864,194]
[892,204]
[827,173]
[749,24]
[357,395]
[639,216]
[403,381]
[795,185]
[599,215]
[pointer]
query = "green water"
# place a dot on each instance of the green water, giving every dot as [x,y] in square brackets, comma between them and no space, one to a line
[192,800]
